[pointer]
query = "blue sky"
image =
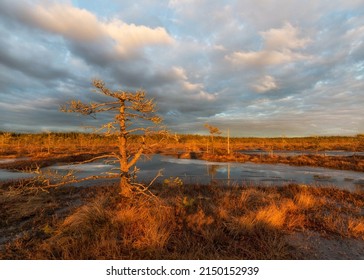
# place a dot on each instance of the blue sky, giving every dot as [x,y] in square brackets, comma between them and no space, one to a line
[258,67]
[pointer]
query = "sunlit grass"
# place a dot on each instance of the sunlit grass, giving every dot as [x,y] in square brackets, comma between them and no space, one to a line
[47,148]
[183,222]
[65,143]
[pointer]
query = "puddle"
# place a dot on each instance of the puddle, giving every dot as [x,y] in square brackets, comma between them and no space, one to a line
[204,172]
[11,175]
[86,167]
[11,160]
[262,173]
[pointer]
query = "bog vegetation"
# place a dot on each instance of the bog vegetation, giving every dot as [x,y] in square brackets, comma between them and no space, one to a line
[177,221]
[48,148]
[185,222]
[173,220]
[41,144]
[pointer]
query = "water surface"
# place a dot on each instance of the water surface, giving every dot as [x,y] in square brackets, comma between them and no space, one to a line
[220,173]
[205,172]
[11,160]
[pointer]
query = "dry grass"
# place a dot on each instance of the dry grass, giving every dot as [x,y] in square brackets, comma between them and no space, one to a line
[355,163]
[304,200]
[69,143]
[187,222]
[356,227]
[46,149]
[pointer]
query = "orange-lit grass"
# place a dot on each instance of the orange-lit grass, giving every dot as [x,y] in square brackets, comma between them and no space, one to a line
[191,222]
[96,232]
[58,146]
[61,143]
[336,162]
[356,227]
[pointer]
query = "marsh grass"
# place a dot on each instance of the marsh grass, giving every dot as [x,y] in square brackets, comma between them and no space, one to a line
[49,148]
[183,222]
[46,144]
[336,162]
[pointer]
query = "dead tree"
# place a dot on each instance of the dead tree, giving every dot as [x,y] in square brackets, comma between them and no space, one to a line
[213,130]
[134,115]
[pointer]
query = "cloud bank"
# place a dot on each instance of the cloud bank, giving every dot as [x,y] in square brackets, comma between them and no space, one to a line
[261,68]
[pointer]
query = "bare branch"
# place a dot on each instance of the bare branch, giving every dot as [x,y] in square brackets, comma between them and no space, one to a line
[97,158]
[65,182]
[136,157]
[133,114]
[159,174]
[212,129]
[100,85]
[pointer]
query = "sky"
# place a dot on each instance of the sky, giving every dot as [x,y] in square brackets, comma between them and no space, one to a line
[264,68]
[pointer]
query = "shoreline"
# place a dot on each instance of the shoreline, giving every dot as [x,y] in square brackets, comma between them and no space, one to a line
[353,162]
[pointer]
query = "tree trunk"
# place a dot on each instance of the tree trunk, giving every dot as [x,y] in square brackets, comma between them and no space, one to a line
[212,143]
[125,187]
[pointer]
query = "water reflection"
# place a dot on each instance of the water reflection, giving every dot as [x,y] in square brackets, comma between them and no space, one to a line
[11,160]
[11,175]
[212,170]
[220,173]
[199,171]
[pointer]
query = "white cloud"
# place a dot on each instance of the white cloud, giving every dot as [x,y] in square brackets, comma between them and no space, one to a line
[230,57]
[192,90]
[63,19]
[283,38]
[179,73]
[131,36]
[83,27]
[264,58]
[279,47]
[265,84]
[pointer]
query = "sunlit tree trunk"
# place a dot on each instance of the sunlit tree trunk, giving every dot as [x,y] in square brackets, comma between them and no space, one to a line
[123,160]
[128,107]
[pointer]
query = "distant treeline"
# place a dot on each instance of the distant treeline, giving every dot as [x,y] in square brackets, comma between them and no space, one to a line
[182,138]
[57,142]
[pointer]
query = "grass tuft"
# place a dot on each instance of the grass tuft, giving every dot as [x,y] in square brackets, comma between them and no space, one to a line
[191,222]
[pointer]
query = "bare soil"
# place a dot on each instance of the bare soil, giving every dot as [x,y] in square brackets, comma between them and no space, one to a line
[312,245]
